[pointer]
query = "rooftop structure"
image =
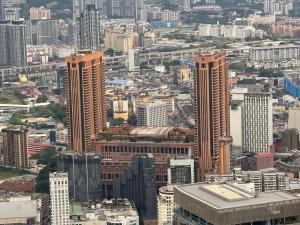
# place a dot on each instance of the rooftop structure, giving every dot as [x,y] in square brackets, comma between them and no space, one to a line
[221,204]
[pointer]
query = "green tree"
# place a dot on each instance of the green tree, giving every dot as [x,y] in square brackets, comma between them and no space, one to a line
[132,120]
[118,121]
[42,99]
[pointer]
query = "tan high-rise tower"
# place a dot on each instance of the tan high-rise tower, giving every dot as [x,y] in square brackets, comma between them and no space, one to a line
[85,90]
[211,113]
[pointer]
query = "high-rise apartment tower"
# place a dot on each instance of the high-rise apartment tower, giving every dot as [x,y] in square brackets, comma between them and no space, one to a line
[85,90]
[15,147]
[211,113]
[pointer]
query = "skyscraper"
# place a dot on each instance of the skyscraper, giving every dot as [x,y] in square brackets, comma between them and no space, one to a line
[12,43]
[85,91]
[59,198]
[47,32]
[84,175]
[15,147]
[88,29]
[211,114]
[257,122]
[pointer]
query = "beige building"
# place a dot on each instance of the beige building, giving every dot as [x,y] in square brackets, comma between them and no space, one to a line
[165,205]
[40,13]
[120,41]
[294,118]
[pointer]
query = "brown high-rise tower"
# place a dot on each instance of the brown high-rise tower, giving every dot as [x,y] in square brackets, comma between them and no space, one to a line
[85,90]
[211,113]
[15,147]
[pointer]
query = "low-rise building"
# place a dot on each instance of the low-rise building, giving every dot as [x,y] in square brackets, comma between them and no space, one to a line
[222,204]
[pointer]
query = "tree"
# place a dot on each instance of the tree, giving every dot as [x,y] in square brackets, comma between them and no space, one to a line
[42,99]
[46,157]
[132,120]
[118,121]
[57,91]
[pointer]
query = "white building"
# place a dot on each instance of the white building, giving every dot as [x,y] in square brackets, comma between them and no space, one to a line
[152,114]
[133,59]
[294,118]
[265,180]
[274,55]
[251,121]
[237,100]
[114,212]
[59,198]
[226,31]
[257,122]
[165,205]
[181,171]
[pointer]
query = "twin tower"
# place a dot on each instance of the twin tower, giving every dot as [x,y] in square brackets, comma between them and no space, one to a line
[86,107]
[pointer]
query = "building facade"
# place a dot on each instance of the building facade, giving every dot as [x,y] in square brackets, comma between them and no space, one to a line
[117,156]
[88,29]
[84,175]
[86,106]
[46,32]
[181,171]
[15,147]
[152,114]
[165,205]
[12,44]
[40,13]
[211,114]
[257,122]
[59,198]
[138,184]
[221,204]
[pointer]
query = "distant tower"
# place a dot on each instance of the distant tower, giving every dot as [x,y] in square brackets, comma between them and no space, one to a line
[59,198]
[85,91]
[185,5]
[88,29]
[211,108]
[15,147]
[12,44]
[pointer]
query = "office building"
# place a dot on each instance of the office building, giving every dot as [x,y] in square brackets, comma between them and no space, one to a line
[138,184]
[40,13]
[264,180]
[12,44]
[59,198]
[211,114]
[290,139]
[15,147]
[84,175]
[257,122]
[85,91]
[114,211]
[88,29]
[221,204]
[46,32]
[181,171]
[152,114]
[165,205]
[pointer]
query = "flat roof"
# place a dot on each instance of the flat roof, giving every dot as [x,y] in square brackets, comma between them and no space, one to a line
[153,131]
[17,209]
[225,196]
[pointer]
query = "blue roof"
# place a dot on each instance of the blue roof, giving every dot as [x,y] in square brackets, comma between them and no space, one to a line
[116,82]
